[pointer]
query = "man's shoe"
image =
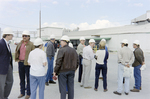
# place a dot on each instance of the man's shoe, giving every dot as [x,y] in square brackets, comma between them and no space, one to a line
[140,88]
[88,87]
[135,90]
[20,96]
[27,97]
[117,93]
[126,93]
[47,84]
[95,89]
[81,85]
[105,90]
[52,82]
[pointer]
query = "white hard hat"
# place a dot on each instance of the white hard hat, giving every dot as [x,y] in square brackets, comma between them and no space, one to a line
[65,38]
[82,38]
[38,41]
[71,45]
[8,31]
[103,40]
[125,41]
[25,32]
[137,42]
[52,36]
[91,41]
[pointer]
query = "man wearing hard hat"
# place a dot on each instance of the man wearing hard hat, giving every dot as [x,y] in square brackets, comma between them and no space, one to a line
[138,62]
[37,59]
[125,60]
[80,52]
[88,56]
[66,63]
[50,51]
[21,56]
[6,65]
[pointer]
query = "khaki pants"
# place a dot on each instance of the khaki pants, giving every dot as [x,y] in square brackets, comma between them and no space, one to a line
[86,72]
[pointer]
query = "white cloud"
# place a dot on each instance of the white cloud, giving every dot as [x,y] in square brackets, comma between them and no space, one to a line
[89,1]
[138,4]
[55,2]
[84,26]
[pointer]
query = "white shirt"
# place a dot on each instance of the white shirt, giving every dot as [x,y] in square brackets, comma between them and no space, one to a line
[100,56]
[7,44]
[88,53]
[36,59]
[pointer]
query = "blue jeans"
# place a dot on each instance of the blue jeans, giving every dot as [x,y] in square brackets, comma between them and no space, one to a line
[24,74]
[137,76]
[104,74]
[36,81]
[66,78]
[120,80]
[49,75]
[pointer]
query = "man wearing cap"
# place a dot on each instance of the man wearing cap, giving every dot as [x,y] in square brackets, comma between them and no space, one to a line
[37,59]
[50,51]
[6,65]
[138,62]
[125,59]
[21,56]
[80,52]
[88,56]
[66,63]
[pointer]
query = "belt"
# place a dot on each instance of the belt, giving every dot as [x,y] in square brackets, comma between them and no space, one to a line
[21,61]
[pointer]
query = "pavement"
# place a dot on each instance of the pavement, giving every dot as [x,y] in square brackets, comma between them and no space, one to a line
[52,91]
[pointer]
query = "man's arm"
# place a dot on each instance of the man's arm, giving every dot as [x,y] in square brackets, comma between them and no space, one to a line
[59,61]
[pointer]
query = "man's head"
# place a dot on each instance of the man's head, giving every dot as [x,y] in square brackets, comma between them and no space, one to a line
[82,40]
[64,40]
[124,43]
[38,43]
[52,38]
[92,42]
[136,44]
[8,34]
[26,36]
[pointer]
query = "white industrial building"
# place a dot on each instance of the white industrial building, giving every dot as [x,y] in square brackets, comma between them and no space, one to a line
[138,30]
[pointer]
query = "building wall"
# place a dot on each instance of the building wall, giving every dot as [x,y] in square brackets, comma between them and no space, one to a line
[46,32]
[114,43]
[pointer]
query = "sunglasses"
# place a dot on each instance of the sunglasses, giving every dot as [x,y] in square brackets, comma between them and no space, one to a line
[25,36]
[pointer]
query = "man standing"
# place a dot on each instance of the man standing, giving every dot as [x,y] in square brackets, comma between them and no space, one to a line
[125,59]
[37,60]
[88,56]
[21,56]
[6,65]
[66,64]
[80,52]
[138,62]
[50,51]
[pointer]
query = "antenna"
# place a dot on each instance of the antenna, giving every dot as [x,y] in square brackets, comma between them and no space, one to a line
[40,22]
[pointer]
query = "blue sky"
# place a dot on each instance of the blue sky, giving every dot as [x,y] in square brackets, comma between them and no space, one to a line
[85,14]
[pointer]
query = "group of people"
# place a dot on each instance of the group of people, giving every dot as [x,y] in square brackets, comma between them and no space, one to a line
[32,61]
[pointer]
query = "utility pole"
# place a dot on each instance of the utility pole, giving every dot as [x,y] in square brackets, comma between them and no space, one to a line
[40,22]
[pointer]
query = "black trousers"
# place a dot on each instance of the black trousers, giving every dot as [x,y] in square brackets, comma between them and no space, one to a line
[80,68]
[66,78]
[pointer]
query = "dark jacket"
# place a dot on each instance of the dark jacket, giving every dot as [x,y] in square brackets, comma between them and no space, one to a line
[139,57]
[29,48]
[67,60]
[5,58]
